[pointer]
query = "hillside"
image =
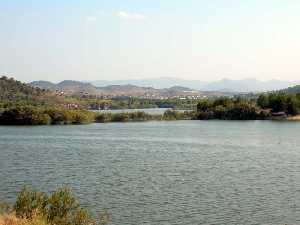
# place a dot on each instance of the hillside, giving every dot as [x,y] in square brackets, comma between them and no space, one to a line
[82,88]
[13,90]
[68,86]
[44,85]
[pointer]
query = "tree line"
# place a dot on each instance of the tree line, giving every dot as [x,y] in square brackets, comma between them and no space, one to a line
[239,108]
[34,115]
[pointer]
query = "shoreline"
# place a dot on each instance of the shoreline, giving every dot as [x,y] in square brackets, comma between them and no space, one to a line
[30,115]
[289,119]
[294,118]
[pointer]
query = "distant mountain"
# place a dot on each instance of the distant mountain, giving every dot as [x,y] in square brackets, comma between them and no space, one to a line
[247,85]
[159,83]
[77,87]
[44,85]
[224,85]
[69,86]
[217,88]
[292,90]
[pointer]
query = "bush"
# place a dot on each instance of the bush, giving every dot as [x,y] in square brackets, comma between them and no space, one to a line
[26,115]
[173,115]
[59,116]
[82,117]
[30,203]
[120,117]
[228,109]
[103,118]
[60,208]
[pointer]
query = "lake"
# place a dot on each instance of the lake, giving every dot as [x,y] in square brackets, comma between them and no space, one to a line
[151,111]
[163,173]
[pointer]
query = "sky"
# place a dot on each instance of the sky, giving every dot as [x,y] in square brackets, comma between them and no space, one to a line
[128,39]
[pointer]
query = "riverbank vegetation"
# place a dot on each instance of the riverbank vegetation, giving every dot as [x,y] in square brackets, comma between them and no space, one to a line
[265,106]
[38,208]
[280,102]
[32,115]
[229,109]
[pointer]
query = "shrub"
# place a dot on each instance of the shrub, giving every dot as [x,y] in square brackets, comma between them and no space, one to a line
[24,115]
[62,204]
[173,115]
[60,208]
[103,118]
[82,116]
[30,203]
[59,116]
[120,117]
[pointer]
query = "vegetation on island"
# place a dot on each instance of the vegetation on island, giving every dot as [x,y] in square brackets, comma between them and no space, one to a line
[265,106]
[228,109]
[280,102]
[38,208]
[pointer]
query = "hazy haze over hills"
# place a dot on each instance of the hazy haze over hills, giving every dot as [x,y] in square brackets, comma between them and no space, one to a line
[77,87]
[153,85]
[245,85]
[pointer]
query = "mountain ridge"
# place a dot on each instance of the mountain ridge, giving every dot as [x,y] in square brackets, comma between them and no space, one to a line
[225,84]
[172,89]
[77,87]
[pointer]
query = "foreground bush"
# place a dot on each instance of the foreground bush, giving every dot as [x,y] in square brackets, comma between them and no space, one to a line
[38,208]
[11,219]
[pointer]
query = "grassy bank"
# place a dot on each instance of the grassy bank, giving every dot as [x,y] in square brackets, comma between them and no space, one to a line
[38,208]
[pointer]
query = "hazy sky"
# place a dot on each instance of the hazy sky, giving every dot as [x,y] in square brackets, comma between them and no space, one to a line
[124,39]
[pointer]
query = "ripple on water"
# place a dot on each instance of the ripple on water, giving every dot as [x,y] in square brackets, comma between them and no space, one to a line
[181,172]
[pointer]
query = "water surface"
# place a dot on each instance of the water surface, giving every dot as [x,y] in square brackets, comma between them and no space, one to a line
[181,172]
[151,111]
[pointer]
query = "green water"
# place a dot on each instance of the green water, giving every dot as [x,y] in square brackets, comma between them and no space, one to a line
[181,172]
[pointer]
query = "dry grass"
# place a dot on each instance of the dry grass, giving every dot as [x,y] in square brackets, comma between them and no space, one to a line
[38,208]
[11,219]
